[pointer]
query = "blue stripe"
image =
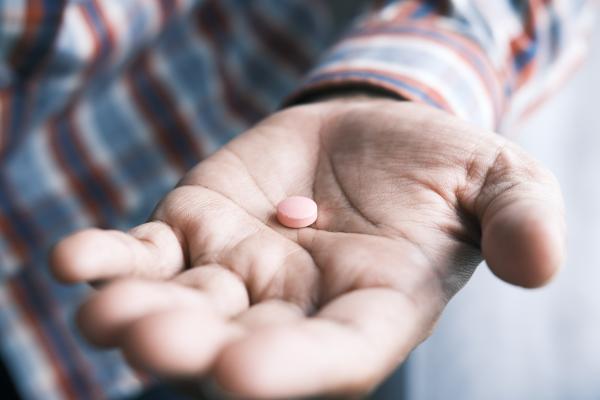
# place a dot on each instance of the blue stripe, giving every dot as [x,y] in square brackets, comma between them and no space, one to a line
[42,306]
[166,120]
[47,210]
[369,75]
[137,162]
[22,360]
[19,221]
[77,165]
[523,58]
[248,67]
[481,69]
[16,117]
[422,11]
[100,28]
[556,36]
[416,59]
[45,35]
[184,69]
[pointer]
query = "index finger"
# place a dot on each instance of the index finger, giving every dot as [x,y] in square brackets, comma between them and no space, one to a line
[151,250]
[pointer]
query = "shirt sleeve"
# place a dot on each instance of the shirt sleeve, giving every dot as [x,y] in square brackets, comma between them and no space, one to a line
[489,62]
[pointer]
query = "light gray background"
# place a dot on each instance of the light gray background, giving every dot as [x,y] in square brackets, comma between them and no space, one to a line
[496,341]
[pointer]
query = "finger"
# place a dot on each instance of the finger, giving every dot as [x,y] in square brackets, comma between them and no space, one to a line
[351,345]
[269,313]
[151,250]
[520,208]
[178,343]
[225,290]
[157,342]
[111,311]
[107,313]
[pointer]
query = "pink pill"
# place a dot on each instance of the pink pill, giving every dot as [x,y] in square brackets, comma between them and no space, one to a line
[297,212]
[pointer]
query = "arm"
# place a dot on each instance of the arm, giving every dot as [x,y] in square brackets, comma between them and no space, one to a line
[486,62]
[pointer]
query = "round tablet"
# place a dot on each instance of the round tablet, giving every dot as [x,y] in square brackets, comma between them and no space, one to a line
[297,212]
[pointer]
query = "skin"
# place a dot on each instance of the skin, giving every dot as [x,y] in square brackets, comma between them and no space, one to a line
[410,201]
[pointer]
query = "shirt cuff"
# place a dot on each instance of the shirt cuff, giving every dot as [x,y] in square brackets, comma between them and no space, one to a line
[423,61]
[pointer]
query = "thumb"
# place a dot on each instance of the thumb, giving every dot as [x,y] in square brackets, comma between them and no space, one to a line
[520,208]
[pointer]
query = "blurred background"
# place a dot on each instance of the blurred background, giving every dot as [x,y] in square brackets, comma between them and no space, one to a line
[496,341]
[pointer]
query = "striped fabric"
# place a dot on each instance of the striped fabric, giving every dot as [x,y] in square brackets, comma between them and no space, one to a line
[485,61]
[105,103]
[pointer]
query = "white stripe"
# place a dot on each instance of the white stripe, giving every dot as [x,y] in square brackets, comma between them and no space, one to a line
[534,91]
[101,156]
[74,43]
[117,22]
[8,260]
[200,48]
[13,15]
[127,103]
[436,54]
[159,67]
[446,91]
[54,177]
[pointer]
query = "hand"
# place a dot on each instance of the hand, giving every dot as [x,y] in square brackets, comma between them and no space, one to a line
[409,199]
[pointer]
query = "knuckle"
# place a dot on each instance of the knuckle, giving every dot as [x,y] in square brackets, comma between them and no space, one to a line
[513,163]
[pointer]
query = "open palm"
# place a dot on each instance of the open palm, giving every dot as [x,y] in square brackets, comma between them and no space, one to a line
[409,199]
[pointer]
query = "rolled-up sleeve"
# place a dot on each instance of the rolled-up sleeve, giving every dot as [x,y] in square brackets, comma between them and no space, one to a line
[489,62]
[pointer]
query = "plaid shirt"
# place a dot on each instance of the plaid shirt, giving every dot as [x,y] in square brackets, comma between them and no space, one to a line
[105,103]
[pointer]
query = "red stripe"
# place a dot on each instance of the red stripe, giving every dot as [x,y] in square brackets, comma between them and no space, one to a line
[494,91]
[162,133]
[62,377]
[237,101]
[526,73]
[27,236]
[167,10]
[95,60]
[17,246]
[33,16]
[97,41]
[73,351]
[279,43]
[96,173]
[522,42]
[429,91]
[405,10]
